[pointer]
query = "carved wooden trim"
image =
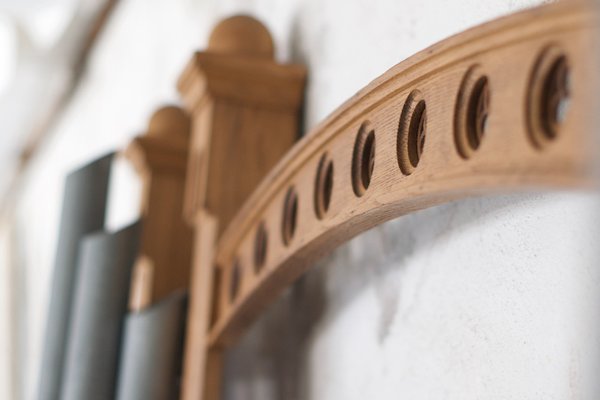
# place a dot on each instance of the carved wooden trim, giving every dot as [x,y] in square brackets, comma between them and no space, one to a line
[506,106]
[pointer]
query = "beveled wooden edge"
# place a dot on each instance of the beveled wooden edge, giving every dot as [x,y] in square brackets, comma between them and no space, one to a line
[507,52]
[197,379]
[255,80]
[153,153]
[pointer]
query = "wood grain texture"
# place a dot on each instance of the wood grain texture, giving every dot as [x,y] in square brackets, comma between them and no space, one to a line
[245,110]
[395,148]
[160,157]
[197,382]
[245,114]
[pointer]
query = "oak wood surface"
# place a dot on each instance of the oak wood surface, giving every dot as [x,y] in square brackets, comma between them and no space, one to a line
[404,173]
[196,383]
[506,106]
[245,113]
[160,157]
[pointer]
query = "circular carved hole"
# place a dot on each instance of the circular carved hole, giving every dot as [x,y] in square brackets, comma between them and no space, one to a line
[260,247]
[555,98]
[363,159]
[472,110]
[412,130]
[235,280]
[549,96]
[290,215]
[323,186]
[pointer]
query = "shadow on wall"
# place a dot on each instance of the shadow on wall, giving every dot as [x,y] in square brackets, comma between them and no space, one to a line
[271,361]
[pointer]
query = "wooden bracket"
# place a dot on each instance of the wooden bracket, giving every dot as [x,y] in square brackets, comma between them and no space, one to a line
[245,111]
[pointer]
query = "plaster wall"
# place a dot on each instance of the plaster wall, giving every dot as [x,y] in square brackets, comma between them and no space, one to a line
[485,298]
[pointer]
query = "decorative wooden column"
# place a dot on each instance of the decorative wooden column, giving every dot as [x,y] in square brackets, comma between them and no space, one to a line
[245,111]
[160,157]
[150,351]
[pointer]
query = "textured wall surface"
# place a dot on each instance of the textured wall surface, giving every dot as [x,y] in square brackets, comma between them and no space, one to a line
[486,298]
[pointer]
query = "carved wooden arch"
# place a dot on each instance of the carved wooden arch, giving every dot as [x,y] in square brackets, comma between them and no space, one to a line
[505,106]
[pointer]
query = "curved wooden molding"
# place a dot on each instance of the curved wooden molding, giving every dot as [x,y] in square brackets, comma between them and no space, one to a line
[505,106]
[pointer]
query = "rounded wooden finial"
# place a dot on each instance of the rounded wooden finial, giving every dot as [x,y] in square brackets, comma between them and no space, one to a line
[169,121]
[241,35]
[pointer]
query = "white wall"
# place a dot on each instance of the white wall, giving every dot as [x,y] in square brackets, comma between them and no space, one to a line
[484,298]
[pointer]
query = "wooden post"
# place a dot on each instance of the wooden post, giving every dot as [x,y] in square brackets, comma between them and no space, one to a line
[160,157]
[245,113]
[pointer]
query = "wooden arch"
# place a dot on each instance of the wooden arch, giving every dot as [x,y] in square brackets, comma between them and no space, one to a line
[505,106]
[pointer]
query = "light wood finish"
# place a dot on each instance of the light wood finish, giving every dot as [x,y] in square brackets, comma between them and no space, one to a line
[245,109]
[245,112]
[395,148]
[140,295]
[505,106]
[241,36]
[160,157]
[198,383]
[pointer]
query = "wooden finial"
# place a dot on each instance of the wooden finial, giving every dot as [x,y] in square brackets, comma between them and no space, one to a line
[170,122]
[241,35]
